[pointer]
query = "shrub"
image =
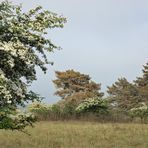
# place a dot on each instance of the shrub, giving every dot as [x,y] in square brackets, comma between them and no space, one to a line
[17,120]
[140,112]
[95,105]
[40,110]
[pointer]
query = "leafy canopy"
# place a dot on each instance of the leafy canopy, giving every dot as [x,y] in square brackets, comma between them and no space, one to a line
[23,46]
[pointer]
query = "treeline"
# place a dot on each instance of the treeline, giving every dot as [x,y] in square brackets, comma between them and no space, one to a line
[81,98]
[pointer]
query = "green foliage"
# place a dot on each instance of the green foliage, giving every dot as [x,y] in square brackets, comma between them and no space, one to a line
[51,112]
[17,120]
[23,46]
[95,105]
[69,109]
[43,111]
[39,107]
[40,110]
[141,112]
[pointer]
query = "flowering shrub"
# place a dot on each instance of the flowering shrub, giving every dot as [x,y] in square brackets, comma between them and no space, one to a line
[40,110]
[22,37]
[141,112]
[39,107]
[16,120]
[96,105]
[51,112]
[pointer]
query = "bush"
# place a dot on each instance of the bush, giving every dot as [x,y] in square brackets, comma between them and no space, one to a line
[51,112]
[40,110]
[95,105]
[140,112]
[17,120]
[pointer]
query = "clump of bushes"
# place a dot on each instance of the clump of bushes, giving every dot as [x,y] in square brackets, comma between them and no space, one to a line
[51,112]
[67,110]
[89,109]
[139,112]
[17,120]
[40,110]
[95,105]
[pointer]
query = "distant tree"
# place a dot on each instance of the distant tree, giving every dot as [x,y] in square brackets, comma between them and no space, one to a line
[23,43]
[75,87]
[142,84]
[124,95]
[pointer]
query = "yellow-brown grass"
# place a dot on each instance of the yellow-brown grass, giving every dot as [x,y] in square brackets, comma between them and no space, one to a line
[73,134]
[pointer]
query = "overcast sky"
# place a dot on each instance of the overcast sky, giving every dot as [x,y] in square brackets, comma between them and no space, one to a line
[106,39]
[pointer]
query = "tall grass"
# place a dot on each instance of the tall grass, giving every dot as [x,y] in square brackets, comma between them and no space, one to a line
[74,134]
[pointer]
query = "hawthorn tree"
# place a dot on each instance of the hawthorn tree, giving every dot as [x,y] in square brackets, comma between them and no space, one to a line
[94,105]
[141,112]
[72,86]
[23,46]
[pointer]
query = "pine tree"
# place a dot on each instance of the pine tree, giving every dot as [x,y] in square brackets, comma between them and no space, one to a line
[142,84]
[124,95]
[74,86]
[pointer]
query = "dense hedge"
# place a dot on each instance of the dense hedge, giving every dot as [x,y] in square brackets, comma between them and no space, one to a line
[93,109]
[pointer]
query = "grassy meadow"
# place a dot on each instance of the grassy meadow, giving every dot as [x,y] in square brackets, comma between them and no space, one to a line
[74,134]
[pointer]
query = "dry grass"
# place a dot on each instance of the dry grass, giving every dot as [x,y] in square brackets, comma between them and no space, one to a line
[78,135]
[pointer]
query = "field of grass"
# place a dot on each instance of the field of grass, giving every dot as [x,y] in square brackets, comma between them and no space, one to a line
[78,135]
